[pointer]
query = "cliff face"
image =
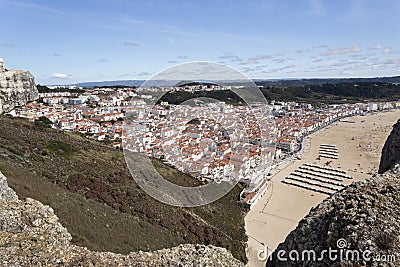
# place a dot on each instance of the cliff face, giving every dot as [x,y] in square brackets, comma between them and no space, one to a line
[16,88]
[391,150]
[31,235]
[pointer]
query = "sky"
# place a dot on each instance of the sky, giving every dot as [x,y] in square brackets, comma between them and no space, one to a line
[64,42]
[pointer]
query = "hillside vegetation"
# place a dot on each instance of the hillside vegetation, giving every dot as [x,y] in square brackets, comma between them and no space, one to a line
[90,188]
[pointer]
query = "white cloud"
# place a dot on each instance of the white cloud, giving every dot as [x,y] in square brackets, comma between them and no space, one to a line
[282,70]
[280,54]
[279,60]
[131,44]
[257,58]
[231,57]
[383,49]
[144,73]
[320,46]
[60,75]
[340,51]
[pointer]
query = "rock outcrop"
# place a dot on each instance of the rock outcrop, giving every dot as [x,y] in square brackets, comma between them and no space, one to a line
[391,150]
[17,87]
[31,235]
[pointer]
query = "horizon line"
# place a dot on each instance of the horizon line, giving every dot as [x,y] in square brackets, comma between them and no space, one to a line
[252,79]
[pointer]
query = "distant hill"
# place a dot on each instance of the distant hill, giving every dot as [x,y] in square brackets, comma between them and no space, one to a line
[259,82]
[305,82]
[132,83]
[317,95]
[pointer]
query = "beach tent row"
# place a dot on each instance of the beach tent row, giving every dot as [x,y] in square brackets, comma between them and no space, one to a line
[325,176]
[321,180]
[327,156]
[328,172]
[308,187]
[314,183]
[324,168]
[328,151]
[327,145]
[317,178]
[333,149]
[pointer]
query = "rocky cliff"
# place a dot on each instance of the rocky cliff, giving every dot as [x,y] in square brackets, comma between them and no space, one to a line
[391,150]
[31,235]
[16,88]
[360,225]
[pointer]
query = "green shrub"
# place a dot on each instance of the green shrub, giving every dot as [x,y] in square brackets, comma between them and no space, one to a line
[43,122]
[59,147]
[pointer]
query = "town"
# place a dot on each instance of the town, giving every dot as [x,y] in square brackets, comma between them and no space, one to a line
[212,141]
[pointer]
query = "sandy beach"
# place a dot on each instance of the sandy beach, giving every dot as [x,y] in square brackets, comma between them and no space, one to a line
[359,141]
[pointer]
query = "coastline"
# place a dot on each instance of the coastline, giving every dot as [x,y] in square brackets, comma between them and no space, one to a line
[359,140]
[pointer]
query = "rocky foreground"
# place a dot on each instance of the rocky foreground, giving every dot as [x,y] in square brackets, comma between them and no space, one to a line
[30,235]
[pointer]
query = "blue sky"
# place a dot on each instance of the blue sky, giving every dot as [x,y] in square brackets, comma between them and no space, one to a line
[64,42]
